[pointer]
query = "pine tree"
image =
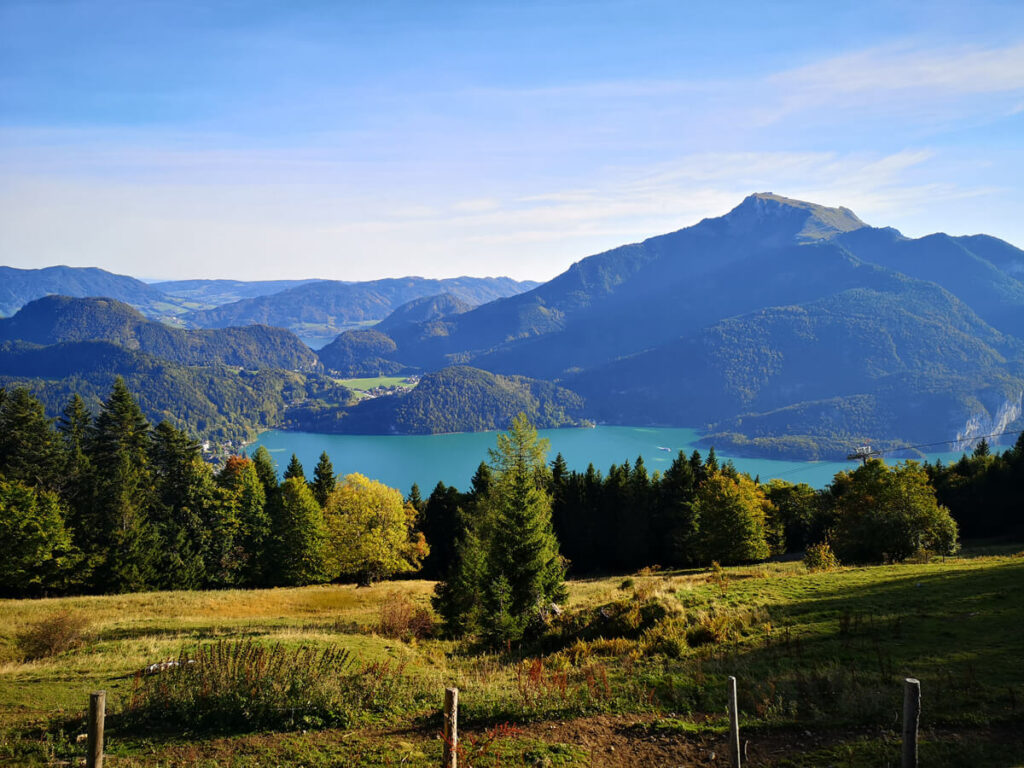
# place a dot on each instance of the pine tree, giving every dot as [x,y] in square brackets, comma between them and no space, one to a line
[324,480]
[294,469]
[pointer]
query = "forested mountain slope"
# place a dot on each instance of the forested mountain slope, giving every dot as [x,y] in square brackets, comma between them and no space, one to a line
[211,401]
[56,319]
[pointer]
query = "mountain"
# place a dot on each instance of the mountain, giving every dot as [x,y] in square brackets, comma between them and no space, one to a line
[56,319]
[360,352]
[425,310]
[455,399]
[809,380]
[661,331]
[20,286]
[335,305]
[213,293]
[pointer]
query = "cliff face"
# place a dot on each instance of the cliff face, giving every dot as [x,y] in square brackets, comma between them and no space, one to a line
[981,424]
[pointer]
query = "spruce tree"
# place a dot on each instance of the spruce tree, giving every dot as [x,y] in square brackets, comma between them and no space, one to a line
[415,500]
[183,510]
[29,449]
[266,470]
[294,469]
[324,480]
[298,536]
[674,526]
[240,479]
[508,569]
[124,540]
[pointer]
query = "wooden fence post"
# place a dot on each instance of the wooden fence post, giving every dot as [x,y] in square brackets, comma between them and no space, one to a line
[97,714]
[734,724]
[911,719]
[451,727]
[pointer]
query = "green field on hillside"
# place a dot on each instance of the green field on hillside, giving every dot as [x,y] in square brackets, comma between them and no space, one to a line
[366,384]
[632,672]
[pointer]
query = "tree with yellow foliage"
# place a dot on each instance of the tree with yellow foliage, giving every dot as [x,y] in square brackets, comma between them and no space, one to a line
[371,531]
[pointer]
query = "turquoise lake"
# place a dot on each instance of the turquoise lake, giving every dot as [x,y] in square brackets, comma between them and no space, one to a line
[401,460]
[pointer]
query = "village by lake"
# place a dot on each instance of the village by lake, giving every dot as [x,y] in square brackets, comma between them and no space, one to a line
[401,460]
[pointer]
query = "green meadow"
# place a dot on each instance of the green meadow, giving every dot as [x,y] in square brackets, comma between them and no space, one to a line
[632,672]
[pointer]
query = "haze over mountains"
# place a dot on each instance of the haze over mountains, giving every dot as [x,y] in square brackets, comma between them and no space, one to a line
[781,328]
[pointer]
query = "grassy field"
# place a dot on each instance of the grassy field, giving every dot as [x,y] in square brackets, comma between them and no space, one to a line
[365,385]
[633,675]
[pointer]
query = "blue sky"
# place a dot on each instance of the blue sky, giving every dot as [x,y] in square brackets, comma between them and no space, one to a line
[360,140]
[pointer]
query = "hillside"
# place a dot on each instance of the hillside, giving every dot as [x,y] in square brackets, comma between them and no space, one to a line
[20,286]
[56,319]
[213,401]
[819,659]
[643,329]
[808,380]
[455,399]
[425,310]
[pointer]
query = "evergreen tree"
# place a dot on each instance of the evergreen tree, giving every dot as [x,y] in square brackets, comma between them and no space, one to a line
[74,428]
[39,556]
[182,512]
[324,480]
[480,485]
[266,470]
[294,469]
[29,450]
[124,540]
[298,536]
[711,462]
[512,542]
[415,500]
[240,479]
[442,525]
[674,527]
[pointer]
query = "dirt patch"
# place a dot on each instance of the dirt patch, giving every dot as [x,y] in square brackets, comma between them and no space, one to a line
[630,741]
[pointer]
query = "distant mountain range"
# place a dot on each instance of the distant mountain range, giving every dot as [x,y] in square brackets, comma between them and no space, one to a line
[315,309]
[783,328]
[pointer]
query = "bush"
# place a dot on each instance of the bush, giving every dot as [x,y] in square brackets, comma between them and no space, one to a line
[59,633]
[244,686]
[404,620]
[820,557]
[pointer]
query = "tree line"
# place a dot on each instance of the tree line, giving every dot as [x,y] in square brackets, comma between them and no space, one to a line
[113,504]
